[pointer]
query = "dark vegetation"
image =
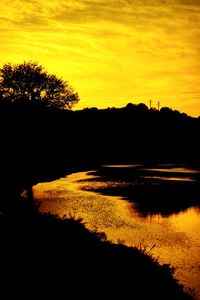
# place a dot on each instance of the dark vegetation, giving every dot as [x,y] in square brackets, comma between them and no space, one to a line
[34,136]
[30,83]
[42,254]
[41,142]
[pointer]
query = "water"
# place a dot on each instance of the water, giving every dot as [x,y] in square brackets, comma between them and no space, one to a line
[102,201]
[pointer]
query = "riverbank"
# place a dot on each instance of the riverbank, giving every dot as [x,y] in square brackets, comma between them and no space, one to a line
[175,236]
[63,254]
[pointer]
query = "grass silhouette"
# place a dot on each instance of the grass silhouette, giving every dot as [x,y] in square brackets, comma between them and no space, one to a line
[62,254]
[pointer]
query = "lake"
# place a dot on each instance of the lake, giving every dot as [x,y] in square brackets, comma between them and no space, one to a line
[153,208]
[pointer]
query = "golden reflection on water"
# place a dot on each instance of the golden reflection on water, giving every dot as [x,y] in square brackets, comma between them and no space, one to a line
[170,178]
[174,170]
[177,237]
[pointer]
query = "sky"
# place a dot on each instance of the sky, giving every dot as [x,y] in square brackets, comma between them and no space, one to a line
[112,52]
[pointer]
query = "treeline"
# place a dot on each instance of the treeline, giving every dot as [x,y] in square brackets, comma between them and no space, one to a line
[35,137]
[135,133]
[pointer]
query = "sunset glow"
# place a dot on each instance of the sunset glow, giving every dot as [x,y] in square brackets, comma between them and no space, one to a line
[111,51]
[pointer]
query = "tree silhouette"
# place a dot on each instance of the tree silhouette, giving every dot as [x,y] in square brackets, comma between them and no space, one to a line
[29,82]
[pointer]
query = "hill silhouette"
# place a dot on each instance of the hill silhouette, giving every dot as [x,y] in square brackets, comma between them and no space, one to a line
[133,133]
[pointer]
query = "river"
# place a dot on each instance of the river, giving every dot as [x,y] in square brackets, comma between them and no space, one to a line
[100,199]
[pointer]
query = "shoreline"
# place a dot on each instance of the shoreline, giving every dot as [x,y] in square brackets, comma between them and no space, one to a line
[24,223]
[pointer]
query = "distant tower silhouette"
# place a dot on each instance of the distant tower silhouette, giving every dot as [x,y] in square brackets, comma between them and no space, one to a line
[158,105]
[150,103]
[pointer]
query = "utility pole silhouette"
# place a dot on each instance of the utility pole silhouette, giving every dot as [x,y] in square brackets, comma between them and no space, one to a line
[150,103]
[158,105]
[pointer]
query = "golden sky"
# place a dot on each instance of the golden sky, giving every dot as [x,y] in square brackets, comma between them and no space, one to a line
[111,51]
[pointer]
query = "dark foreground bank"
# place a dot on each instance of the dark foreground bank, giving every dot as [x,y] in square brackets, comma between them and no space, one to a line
[42,254]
